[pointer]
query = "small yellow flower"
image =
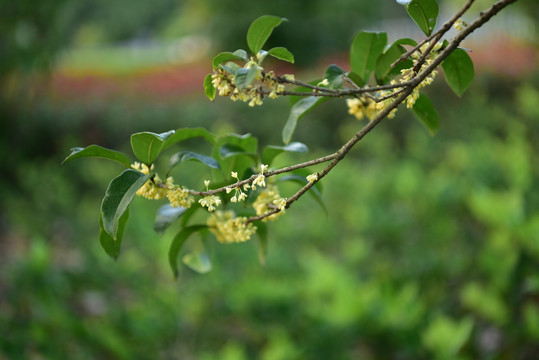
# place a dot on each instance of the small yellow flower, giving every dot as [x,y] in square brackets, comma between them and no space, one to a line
[324,82]
[312,178]
[210,202]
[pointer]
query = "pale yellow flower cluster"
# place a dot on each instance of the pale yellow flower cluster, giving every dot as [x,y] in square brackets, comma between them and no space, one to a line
[238,194]
[362,107]
[460,25]
[226,85]
[180,197]
[407,74]
[155,188]
[228,228]
[312,178]
[260,180]
[269,197]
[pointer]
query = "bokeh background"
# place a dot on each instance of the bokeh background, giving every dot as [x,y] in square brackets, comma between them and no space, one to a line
[429,249]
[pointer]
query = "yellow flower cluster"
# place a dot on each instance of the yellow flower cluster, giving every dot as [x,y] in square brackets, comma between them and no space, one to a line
[155,188]
[407,74]
[312,178]
[460,24]
[269,197]
[226,85]
[238,194]
[260,180]
[180,197]
[228,228]
[362,107]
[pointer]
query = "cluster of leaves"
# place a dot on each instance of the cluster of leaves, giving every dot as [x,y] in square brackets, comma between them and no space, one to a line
[373,64]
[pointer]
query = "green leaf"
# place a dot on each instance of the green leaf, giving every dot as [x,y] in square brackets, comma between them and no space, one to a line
[229,56]
[147,145]
[426,113]
[177,244]
[245,77]
[298,110]
[236,152]
[110,245]
[313,191]
[334,75]
[198,261]
[100,152]
[383,65]
[230,67]
[424,13]
[355,78]
[166,215]
[118,197]
[193,156]
[282,53]
[458,71]
[247,142]
[189,133]
[260,30]
[209,89]
[405,41]
[271,151]
[365,50]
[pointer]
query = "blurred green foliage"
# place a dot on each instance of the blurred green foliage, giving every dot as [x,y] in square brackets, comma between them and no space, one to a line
[430,249]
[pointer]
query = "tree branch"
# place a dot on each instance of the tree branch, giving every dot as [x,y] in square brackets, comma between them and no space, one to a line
[412,84]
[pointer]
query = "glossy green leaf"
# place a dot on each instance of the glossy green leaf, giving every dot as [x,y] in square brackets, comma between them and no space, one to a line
[177,243]
[424,13]
[227,151]
[110,245]
[334,75]
[229,56]
[191,156]
[247,142]
[364,53]
[230,67]
[260,30]
[383,65]
[236,152]
[355,78]
[245,77]
[99,152]
[458,71]
[166,215]
[426,113]
[270,152]
[209,89]
[405,41]
[188,133]
[298,110]
[147,145]
[281,53]
[198,261]
[118,197]
[313,191]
